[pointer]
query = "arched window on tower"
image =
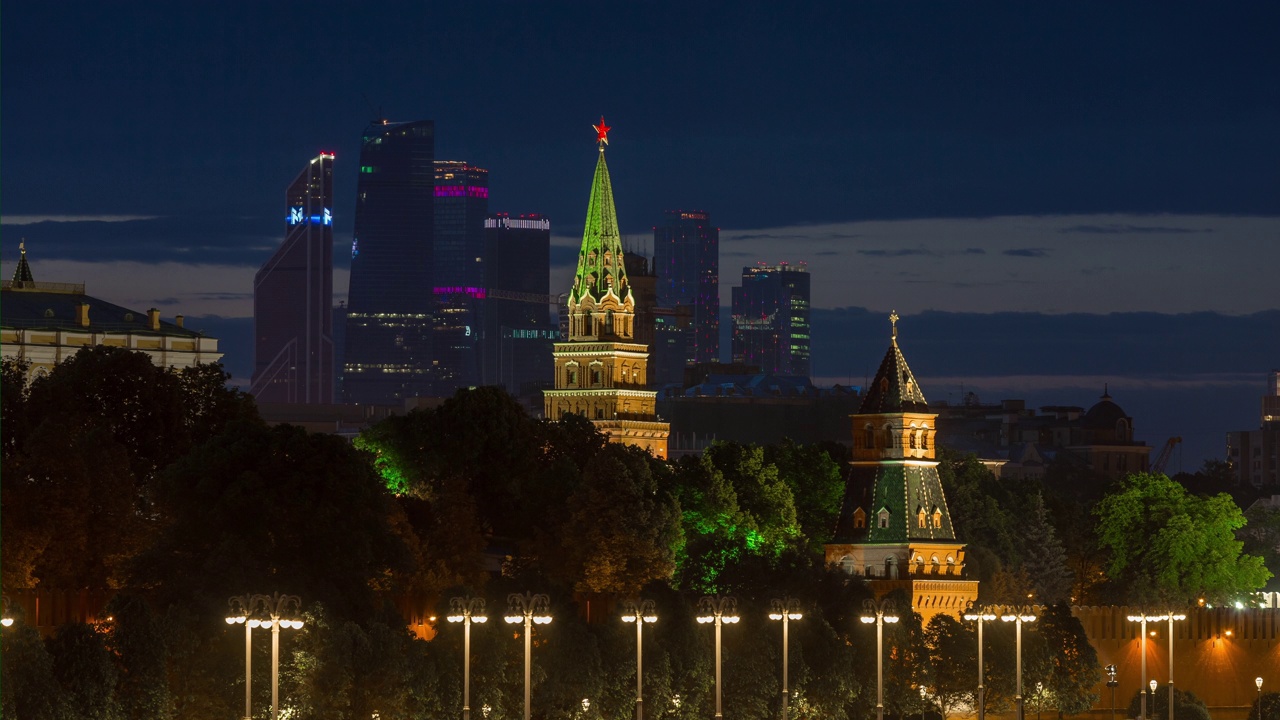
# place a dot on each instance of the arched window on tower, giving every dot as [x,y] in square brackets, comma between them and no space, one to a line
[883,517]
[924,438]
[920,516]
[859,518]
[869,436]
[937,518]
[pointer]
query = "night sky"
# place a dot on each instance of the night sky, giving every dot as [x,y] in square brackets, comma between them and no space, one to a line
[1054,195]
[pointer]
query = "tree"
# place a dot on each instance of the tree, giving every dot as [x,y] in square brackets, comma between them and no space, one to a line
[1270,706]
[1186,705]
[1075,668]
[1261,537]
[84,669]
[28,688]
[276,509]
[136,639]
[1043,558]
[620,531]
[816,484]
[953,652]
[1169,547]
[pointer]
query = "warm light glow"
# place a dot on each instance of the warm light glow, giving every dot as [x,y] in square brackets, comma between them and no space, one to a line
[651,618]
[628,618]
[1153,685]
[1136,618]
[1239,605]
[454,618]
[891,618]
[730,618]
[1228,633]
[1011,618]
[230,620]
[867,620]
[9,621]
[513,619]
[1179,617]
[775,616]
[1152,633]
[1256,681]
[479,618]
[794,616]
[255,623]
[705,618]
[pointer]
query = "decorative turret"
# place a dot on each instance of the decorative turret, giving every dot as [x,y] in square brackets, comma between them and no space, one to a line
[600,301]
[894,525]
[22,274]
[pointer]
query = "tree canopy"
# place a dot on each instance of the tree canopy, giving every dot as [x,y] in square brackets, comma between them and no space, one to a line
[1168,547]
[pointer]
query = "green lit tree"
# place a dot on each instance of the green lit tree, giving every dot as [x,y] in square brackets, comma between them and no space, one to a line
[1168,547]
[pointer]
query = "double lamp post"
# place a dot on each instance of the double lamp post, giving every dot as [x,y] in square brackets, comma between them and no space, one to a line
[273,611]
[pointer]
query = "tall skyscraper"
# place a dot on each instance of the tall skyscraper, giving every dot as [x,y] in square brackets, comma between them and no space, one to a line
[458,273]
[389,308]
[518,333]
[771,319]
[686,258]
[293,297]
[601,371]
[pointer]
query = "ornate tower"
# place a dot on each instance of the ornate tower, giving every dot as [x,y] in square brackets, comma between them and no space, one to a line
[895,529]
[601,372]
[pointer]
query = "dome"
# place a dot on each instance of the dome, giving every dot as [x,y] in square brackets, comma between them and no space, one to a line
[1104,414]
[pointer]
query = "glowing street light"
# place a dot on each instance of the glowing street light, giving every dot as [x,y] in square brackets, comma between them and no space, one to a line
[241,610]
[1144,619]
[980,614]
[531,609]
[466,610]
[1258,681]
[638,612]
[277,606]
[879,612]
[1018,615]
[1112,683]
[718,610]
[786,610]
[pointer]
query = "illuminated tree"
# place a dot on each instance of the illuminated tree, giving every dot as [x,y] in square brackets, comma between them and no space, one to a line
[1169,547]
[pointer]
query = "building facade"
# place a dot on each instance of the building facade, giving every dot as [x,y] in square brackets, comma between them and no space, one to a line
[519,336]
[44,323]
[686,259]
[895,529]
[771,319]
[293,297]
[1255,454]
[601,371]
[389,331]
[458,274]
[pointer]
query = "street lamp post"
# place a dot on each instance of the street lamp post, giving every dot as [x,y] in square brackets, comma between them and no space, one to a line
[718,610]
[241,612]
[786,610]
[1171,617]
[980,614]
[879,612]
[1112,683]
[1153,685]
[1018,615]
[277,606]
[531,609]
[1258,681]
[1144,619]
[466,610]
[638,612]
[1039,698]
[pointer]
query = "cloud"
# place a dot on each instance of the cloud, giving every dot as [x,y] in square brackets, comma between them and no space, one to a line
[973,251]
[827,252]
[37,219]
[1026,252]
[904,252]
[1118,229]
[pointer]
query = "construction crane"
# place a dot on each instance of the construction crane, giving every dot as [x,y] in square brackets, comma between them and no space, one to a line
[1163,458]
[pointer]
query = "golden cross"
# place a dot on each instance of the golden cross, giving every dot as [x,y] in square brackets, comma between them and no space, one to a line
[893,320]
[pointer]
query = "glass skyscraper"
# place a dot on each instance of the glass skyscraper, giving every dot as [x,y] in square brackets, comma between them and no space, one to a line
[388,354]
[293,297]
[686,258]
[771,319]
[458,273]
[518,334]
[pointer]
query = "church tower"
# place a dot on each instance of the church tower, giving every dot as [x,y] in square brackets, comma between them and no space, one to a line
[602,372]
[895,530]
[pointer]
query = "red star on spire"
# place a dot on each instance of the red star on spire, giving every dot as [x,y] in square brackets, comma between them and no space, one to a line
[602,131]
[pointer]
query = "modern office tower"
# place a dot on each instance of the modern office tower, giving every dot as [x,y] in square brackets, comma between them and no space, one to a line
[600,371]
[1253,454]
[666,330]
[293,297]
[458,273]
[771,319]
[518,333]
[389,308]
[686,258]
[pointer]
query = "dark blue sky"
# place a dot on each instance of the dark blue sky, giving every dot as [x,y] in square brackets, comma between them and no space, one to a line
[1050,158]
[766,114]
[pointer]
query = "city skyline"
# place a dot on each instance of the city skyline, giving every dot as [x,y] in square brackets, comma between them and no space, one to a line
[928,160]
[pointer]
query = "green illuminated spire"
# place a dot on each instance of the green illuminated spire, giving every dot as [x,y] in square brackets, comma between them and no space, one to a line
[600,268]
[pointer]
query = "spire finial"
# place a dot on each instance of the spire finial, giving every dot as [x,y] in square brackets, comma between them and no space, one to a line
[22,246]
[893,321]
[602,133]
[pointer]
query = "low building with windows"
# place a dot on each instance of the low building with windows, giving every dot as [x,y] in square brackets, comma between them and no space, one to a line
[44,323]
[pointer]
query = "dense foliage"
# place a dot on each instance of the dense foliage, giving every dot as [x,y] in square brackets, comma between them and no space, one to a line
[167,487]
